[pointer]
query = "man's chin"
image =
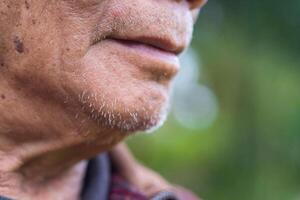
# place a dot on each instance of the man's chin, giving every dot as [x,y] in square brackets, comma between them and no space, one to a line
[127,117]
[131,122]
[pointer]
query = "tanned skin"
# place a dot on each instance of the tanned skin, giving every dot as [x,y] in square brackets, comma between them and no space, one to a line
[72,85]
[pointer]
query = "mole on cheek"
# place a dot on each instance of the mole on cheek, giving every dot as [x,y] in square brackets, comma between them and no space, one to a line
[19,47]
[2,64]
[2,96]
[27,5]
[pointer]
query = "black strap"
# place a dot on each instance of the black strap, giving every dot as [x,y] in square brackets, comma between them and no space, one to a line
[165,196]
[97,179]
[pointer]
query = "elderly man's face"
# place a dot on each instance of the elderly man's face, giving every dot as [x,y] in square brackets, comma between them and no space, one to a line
[92,64]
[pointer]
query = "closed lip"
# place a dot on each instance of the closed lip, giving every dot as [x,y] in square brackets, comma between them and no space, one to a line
[161,50]
[162,64]
[162,43]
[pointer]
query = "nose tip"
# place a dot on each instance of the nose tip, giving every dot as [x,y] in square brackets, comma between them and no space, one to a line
[196,3]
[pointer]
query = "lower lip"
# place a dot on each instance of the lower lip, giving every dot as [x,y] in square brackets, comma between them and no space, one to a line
[156,52]
[163,62]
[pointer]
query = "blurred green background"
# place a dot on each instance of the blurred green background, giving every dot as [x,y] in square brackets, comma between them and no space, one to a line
[246,142]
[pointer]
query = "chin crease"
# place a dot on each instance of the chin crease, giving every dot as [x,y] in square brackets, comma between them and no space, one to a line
[140,119]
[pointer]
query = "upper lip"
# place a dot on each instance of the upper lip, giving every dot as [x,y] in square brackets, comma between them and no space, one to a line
[168,29]
[163,43]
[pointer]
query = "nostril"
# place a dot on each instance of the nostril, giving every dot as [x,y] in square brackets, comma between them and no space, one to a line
[196,3]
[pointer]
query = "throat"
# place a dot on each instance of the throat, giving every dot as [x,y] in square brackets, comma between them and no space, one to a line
[66,185]
[42,172]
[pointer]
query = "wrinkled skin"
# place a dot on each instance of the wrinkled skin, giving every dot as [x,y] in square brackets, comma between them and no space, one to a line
[68,91]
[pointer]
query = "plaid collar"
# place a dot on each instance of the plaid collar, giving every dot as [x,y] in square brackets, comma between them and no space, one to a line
[101,183]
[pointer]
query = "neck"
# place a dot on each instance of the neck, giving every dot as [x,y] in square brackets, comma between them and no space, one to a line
[28,176]
[66,186]
[44,170]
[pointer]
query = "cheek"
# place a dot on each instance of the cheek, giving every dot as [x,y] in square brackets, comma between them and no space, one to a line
[47,44]
[76,26]
[35,51]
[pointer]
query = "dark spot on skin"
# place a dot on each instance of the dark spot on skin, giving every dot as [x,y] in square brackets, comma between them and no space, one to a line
[3,96]
[19,47]
[33,21]
[68,49]
[2,64]
[27,5]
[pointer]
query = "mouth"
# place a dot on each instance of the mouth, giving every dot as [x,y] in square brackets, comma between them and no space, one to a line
[160,54]
[149,41]
[164,44]
[161,61]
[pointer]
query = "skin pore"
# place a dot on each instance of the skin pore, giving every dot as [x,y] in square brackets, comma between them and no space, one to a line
[75,81]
